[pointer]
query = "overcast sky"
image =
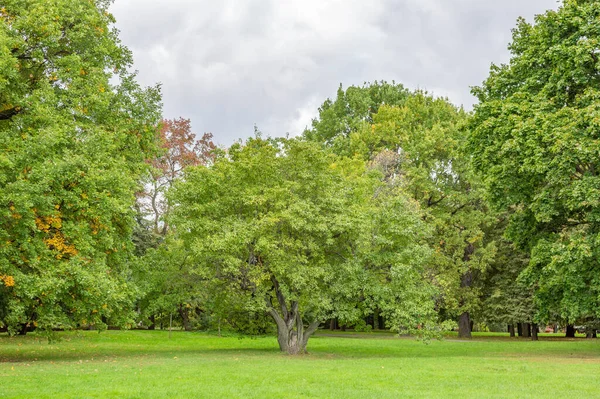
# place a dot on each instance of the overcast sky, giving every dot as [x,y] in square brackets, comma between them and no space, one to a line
[230,64]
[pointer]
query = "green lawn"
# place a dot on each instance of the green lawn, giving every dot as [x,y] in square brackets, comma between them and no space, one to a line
[146,364]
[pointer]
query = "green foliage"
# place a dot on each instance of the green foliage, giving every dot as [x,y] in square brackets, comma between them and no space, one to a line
[285,221]
[535,139]
[417,142]
[75,129]
[351,108]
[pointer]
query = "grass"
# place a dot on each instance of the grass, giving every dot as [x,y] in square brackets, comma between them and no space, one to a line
[146,364]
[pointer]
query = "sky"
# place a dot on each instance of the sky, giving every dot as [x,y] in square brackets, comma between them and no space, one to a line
[230,65]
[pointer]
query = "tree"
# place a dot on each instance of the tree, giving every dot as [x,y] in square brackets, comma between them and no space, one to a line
[179,149]
[166,286]
[300,234]
[75,129]
[535,139]
[418,142]
[350,110]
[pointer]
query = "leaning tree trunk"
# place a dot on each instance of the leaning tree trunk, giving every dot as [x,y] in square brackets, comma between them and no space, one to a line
[570,331]
[292,335]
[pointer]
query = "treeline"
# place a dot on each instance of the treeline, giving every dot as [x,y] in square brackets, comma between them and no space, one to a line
[394,209]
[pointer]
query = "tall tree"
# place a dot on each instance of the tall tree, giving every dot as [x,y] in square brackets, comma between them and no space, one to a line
[179,149]
[535,139]
[418,141]
[166,286]
[300,234]
[75,130]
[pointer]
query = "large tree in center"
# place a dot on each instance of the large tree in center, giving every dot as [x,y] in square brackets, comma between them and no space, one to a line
[301,234]
[536,135]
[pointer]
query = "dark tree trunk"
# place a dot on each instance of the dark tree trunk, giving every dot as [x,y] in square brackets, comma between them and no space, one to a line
[333,324]
[464,326]
[292,335]
[381,321]
[590,333]
[520,329]
[511,330]
[23,329]
[184,312]
[464,320]
[555,328]
[534,332]
[570,331]
[152,325]
[526,330]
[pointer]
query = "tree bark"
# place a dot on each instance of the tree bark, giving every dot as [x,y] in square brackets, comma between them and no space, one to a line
[511,330]
[184,312]
[570,333]
[464,326]
[520,329]
[590,333]
[333,324]
[152,325]
[534,332]
[464,320]
[526,330]
[292,335]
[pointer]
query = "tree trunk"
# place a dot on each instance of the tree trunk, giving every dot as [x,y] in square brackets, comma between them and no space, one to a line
[464,320]
[292,335]
[184,312]
[333,324]
[534,332]
[464,326]
[590,333]
[526,330]
[511,330]
[152,325]
[570,331]
[23,330]
[520,329]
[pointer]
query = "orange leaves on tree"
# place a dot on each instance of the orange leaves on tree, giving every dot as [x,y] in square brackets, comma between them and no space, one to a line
[8,281]
[51,225]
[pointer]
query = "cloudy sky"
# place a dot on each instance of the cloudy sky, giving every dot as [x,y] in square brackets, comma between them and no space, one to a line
[230,64]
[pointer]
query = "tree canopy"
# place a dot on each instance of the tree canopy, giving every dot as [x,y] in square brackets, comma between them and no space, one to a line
[302,235]
[535,140]
[75,130]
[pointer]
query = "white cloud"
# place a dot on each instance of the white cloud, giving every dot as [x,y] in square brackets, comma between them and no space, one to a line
[231,64]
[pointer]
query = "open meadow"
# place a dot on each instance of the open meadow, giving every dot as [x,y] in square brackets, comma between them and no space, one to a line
[147,364]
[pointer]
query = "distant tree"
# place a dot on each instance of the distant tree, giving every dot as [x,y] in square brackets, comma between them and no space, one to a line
[179,149]
[300,234]
[535,138]
[418,142]
[166,285]
[75,129]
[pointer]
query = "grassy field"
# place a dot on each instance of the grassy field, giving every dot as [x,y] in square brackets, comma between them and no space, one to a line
[146,364]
